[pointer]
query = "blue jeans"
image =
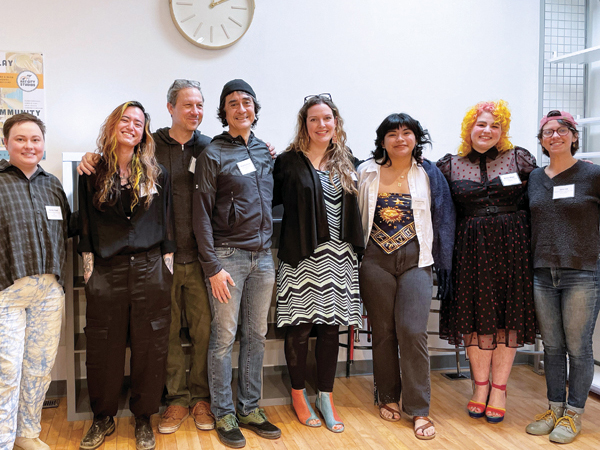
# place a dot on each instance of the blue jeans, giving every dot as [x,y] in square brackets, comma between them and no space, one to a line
[566,303]
[254,276]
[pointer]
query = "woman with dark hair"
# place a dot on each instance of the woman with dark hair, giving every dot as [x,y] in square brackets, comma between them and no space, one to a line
[317,281]
[408,222]
[127,244]
[564,199]
[491,312]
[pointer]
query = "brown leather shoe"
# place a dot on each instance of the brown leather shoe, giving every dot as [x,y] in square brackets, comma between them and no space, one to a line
[203,418]
[172,419]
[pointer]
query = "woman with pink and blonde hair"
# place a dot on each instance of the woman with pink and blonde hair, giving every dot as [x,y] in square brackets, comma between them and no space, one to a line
[492,311]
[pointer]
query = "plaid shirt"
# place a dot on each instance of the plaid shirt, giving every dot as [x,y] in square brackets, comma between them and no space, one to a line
[30,243]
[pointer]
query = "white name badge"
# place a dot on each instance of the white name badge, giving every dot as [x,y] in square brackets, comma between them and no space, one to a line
[192,167]
[510,179]
[144,190]
[246,166]
[353,176]
[54,213]
[566,191]
[418,203]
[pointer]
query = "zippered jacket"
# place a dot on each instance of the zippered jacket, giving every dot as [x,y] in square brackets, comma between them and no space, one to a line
[176,158]
[233,193]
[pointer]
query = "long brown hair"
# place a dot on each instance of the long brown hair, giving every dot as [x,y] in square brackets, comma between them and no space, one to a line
[338,158]
[144,168]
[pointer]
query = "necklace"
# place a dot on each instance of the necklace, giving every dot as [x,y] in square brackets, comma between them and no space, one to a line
[402,177]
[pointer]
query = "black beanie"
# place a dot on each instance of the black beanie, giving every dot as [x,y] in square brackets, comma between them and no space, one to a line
[236,85]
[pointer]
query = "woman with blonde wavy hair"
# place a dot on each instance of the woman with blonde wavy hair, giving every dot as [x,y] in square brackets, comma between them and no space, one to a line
[492,311]
[321,234]
[127,244]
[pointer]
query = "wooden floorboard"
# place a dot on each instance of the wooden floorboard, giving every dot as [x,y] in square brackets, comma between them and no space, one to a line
[364,428]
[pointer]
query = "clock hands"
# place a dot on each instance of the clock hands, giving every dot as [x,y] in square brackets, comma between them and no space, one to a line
[213,4]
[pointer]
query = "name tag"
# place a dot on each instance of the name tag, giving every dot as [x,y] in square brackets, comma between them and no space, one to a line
[246,166]
[54,213]
[192,167]
[510,179]
[353,176]
[144,190]
[418,203]
[566,191]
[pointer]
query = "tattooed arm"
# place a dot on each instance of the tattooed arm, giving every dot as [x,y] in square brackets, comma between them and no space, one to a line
[168,257]
[88,265]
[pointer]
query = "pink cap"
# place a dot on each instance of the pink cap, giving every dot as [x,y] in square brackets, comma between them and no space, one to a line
[563,115]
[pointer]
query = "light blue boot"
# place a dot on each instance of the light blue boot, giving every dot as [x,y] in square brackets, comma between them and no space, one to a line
[324,405]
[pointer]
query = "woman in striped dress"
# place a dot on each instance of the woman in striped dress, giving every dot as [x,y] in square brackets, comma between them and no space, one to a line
[321,233]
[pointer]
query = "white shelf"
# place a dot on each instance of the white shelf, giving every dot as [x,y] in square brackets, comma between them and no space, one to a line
[587,120]
[586,56]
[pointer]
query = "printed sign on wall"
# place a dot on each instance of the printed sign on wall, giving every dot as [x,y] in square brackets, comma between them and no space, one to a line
[21,87]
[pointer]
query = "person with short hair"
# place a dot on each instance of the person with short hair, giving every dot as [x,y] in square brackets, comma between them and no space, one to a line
[564,199]
[127,243]
[233,227]
[34,224]
[491,311]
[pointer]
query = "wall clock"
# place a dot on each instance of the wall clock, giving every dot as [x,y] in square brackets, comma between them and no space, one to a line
[212,24]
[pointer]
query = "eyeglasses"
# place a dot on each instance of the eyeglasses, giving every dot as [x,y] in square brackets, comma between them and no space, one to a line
[326,95]
[562,131]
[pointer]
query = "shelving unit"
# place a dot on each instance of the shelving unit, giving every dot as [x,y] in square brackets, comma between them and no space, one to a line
[581,57]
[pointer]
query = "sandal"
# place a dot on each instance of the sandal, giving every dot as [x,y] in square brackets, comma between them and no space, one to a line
[494,409]
[303,409]
[422,428]
[483,406]
[394,412]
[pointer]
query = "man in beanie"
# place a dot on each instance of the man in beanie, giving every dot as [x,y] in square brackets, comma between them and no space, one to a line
[233,190]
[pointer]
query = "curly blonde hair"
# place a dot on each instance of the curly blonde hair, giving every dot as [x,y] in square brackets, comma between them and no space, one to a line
[501,113]
[338,159]
[144,167]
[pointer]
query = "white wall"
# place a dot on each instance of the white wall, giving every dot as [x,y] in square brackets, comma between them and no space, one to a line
[431,59]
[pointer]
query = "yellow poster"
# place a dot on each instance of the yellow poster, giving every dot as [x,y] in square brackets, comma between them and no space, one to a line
[21,87]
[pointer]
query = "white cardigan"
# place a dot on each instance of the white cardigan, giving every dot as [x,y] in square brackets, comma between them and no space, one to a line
[418,182]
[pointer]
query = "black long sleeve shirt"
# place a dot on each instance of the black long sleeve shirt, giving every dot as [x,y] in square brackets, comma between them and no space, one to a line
[110,232]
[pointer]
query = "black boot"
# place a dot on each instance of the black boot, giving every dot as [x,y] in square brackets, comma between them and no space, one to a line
[144,437]
[94,437]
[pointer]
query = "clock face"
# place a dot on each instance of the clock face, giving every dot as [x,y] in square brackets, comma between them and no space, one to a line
[212,24]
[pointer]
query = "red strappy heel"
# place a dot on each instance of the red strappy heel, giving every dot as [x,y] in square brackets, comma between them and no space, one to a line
[483,406]
[493,409]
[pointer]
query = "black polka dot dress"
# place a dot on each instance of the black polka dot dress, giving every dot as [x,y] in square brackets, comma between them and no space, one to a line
[492,268]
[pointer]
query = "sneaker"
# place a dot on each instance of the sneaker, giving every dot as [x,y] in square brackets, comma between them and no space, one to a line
[22,443]
[203,417]
[567,428]
[144,436]
[98,431]
[229,432]
[544,423]
[257,421]
[172,419]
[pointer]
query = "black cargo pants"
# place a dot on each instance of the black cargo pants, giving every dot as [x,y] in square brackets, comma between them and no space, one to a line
[128,298]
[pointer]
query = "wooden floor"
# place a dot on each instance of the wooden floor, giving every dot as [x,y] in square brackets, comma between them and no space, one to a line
[364,428]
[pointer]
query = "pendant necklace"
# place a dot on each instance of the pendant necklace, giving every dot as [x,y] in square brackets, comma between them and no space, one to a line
[402,177]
